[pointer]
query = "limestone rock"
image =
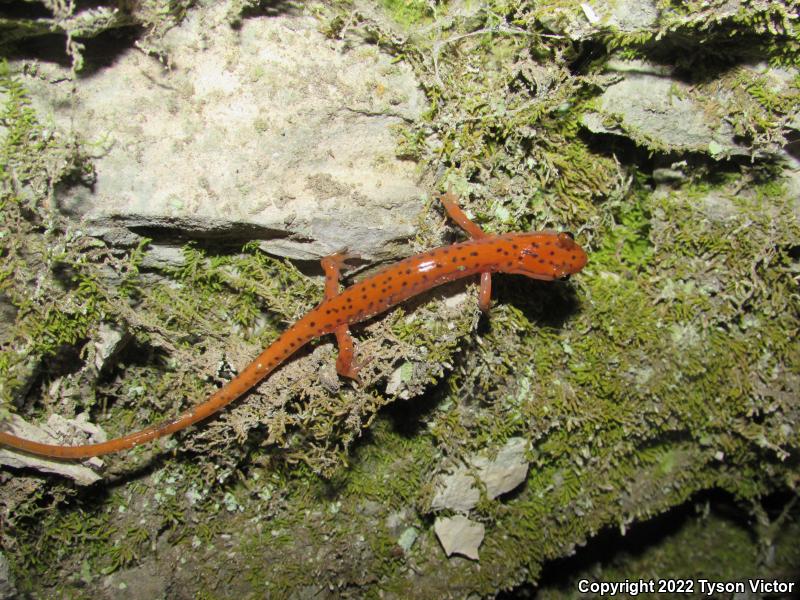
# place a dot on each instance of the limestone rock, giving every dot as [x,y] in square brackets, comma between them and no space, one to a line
[459,535]
[657,110]
[506,471]
[269,132]
[458,490]
[109,343]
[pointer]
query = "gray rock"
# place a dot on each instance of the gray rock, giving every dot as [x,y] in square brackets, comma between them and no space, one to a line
[459,535]
[659,111]
[271,132]
[458,490]
[589,18]
[506,471]
[109,343]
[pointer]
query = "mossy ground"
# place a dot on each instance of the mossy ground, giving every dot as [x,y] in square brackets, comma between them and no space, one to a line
[668,368]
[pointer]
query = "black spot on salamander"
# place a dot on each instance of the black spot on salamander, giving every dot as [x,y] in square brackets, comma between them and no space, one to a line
[408,271]
[454,259]
[574,257]
[327,311]
[552,252]
[499,250]
[445,251]
[312,324]
[363,296]
[541,260]
[405,283]
[514,246]
[509,263]
[473,253]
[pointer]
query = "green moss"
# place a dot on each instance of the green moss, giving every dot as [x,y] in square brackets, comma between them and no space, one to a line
[408,12]
[666,368]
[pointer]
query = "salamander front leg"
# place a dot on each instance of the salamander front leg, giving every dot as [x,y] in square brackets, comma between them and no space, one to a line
[485,295]
[345,363]
[450,203]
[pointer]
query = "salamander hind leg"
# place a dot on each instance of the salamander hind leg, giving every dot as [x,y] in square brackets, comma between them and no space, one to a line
[345,363]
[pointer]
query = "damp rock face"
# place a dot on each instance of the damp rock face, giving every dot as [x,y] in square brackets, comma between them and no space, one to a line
[269,132]
[656,109]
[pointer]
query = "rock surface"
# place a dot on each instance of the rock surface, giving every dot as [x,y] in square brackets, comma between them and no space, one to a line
[658,110]
[458,490]
[459,535]
[270,132]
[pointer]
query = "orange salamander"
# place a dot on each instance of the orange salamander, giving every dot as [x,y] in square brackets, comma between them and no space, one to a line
[541,255]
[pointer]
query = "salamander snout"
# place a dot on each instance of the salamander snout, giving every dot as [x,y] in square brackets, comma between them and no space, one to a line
[547,255]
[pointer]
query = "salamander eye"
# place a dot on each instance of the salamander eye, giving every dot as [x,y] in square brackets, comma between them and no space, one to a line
[566,240]
[564,277]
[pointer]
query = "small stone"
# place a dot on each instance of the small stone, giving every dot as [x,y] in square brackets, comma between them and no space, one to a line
[508,469]
[407,538]
[459,535]
[398,379]
[459,491]
[456,491]
[111,341]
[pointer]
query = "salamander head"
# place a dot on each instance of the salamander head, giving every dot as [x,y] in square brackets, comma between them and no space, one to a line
[548,255]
